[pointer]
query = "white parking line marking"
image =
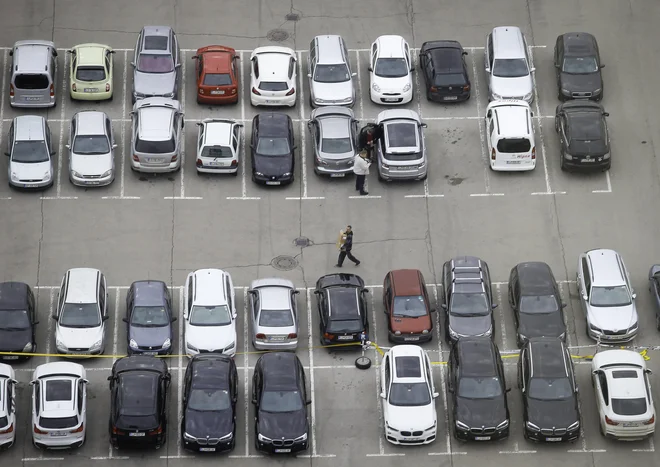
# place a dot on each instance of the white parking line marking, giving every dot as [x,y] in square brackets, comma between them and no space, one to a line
[359,80]
[651,447]
[115,344]
[365,197]
[485,195]
[2,98]
[51,311]
[516,450]
[182,294]
[498,291]
[482,136]
[609,184]
[246,364]
[37,459]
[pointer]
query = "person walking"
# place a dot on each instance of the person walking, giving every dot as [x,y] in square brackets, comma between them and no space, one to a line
[345,245]
[361,170]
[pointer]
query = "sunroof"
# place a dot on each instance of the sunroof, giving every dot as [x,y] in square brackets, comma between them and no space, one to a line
[155,43]
[624,374]
[408,367]
[58,390]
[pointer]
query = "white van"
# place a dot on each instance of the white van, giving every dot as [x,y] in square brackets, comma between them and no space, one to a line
[510,136]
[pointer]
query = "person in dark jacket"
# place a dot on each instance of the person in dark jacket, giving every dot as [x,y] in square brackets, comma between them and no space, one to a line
[368,137]
[345,246]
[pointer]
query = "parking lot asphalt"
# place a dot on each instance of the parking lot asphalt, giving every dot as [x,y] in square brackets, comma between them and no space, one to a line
[162,227]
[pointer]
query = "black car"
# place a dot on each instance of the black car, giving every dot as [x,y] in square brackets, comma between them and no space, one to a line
[577,62]
[654,288]
[583,136]
[551,409]
[480,411]
[342,308]
[280,398]
[446,78]
[149,318]
[272,149]
[536,302]
[138,402]
[210,392]
[467,298]
[17,320]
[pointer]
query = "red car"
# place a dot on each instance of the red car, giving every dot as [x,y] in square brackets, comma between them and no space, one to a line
[217,77]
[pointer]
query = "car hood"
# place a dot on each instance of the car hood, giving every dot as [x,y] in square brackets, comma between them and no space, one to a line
[411,418]
[154,84]
[149,337]
[511,87]
[31,171]
[273,166]
[581,83]
[597,147]
[210,337]
[407,324]
[549,414]
[14,341]
[211,424]
[613,318]
[541,325]
[470,326]
[391,84]
[91,165]
[333,91]
[481,412]
[79,337]
[283,425]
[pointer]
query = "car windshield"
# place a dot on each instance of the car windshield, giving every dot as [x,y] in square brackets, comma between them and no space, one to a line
[30,152]
[80,315]
[14,320]
[331,74]
[610,296]
[209,400]
[90,145]
[510,68]
[629,407]
[469,304]
[479,388]
[155,63]
[275,318]
[412,306]
[281,401]
[391,68]
[538,304]
[217,79]
[149,316]
[90,73]
[409,394]
[514,145]
[336,145]
[210,315]
[449,79]
[550,389]
[273,147]
[580,65]
[221,152]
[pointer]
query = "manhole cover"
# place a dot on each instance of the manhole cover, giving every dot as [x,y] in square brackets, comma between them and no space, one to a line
[292,17]
[284,263]
[277,35]
[302,242]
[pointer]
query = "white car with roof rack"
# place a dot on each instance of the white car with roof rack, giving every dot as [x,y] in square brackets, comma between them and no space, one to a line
[510,136]
[59,405]
[8,385]
[273,75]
[218,146]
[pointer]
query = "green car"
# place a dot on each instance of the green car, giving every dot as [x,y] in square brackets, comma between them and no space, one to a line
[90,72]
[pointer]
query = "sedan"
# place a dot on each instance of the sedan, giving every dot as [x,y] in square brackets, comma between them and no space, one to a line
[272,149]
[274,314]
[583,136]
[342,308]
[273,76]
[654,288]
[442,64]
[90,72]
[578,65]
[390,71]
[333,132]
[149,318]
[156,64]
[91,149]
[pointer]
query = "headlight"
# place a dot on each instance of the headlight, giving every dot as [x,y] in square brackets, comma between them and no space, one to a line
[562,336]
[431,427]
[167,343]
[230,346]
[606,156]
[375,87]
[503,425]
[14,177]
[595,329]
[138,94]
[425,331]
[407,87]
[259,174]
[76,174]
[107,173]
[522,337]
[300,439]
[391,427]
[574,426]
[96,345]
[227,437]
[385,166]
[462,426]
[568,157]
[532,427]
[60,345]
[169,94]
[286,174]
[453,334]
[28,347]
[527,96]
[348,99]
[133,344]
[187,437]
[319,101]
[263,439]
[47,175]
[565,91]
[597,91]
[397,333]
[192,347]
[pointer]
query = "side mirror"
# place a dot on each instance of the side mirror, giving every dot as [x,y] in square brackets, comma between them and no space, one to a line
[133,64]
[68,146]
[54,317]
[507,390]
[115,146]
[353,74]
[444,306]
[194,57]
[13,381]
[295,147]
[382,395]
[370,69]
[634,295]
[532,70]
[465,53]
[35,322]
[124,320]
[110,378]
[450,389]
[494,305]
[557,66]
[254,401]
[7,154]
[648,372]
[309,75]
[237,57]
[423,125]
[487,69]
[112,52]
[317,292]
[105,318]
[174,318]
[585,296]
[532,114]
[52,153]
[178,65]
[297,292]
[235,315]
[596,372]
[602,66]
[564,305]
[85,381]
[251,146]
[308,402]
[436,394]
[433,310]
[606,114]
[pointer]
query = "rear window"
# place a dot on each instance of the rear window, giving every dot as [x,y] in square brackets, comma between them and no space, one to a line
[275,318]
[223,152]
[58,423]
[217,79]
[514,145]
[155,147]
[4,421]
[450,79]
[156,42]
[90,73]
[336,145]
[345,325]
[629,406]
[273,86]
[31,81]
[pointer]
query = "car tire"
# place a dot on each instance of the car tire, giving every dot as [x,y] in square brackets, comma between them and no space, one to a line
[363,363]
[254,180]
[311,102]
[235,174]
[607,167]
[562,164]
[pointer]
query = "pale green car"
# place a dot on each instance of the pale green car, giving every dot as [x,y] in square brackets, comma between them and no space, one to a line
[90,72]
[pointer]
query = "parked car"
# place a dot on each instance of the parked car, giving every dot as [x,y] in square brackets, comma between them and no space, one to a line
[508,65]
[578,65]
[510,136]
[218,146]
[138,402]
[546,378]
[156,63]
[149,318]
[30,152]
[273,76]
[274,314]
[479,407]
[446,78]
[279,394]
[407,306]
[91,149]
[654,288]
[536,302]
[390,71]
[33,74]
[583,136]
[8,427]
[401,152]
[18,322]
[90,72]
[334,136]
[272,148]
[329,72]
[59,405]
[210,393]
[217,76]
[623,395]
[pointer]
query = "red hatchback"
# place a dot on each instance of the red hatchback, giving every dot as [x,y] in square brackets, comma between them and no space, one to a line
[217,77]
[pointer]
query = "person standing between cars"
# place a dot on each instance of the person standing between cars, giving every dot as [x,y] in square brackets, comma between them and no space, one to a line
[345,245]
[361,170]
[368,137]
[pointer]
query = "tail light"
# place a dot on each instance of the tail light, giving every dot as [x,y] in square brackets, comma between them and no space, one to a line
[254,91]
[466,88]
[328,336]
[260,336]
[52,90]
[293,335]
[136,158]
[492,154]
[157,431]
[73,87]
[174,157]
[290,93]
[9,429]
[79,429]
[533,153]
[38,431]
[107,87]
[434,89]
[11,90]
[234,163]
[199,163]
[233,90]
[117,431]
[650,421]
[609,421]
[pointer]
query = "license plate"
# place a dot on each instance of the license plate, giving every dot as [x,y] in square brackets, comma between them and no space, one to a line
[10,357]
[409,439]
[552,440]
[207,449]
[391,99]
[482,438]
[153,160]
[337,175]
[588,160]
[282,451]
[90,90]
[630,424]
[215,164]
[272,102]
[149,353]
[78,353]
[513,162]
[27,186]
[136,435]
[345,338]
[58,433]
[450,98]
[32,98]
[276,338]
[411,338]
[92,183]
[217,93]
[273,183]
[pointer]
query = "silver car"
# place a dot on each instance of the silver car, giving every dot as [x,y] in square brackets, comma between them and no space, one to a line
[329,72]
[274,314]
[30,152]
[157,63]
[334,131]
[401,149]
[91,149]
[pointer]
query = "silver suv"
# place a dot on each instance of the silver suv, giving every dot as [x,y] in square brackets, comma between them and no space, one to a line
[157,135]
[329,72]
[508,65]
[156,64]
[32,82]
[401,149]
[607,296]
[30,152]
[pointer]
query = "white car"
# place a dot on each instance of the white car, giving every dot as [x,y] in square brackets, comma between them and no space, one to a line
[7,406]
[218,146]
[510,136]
[210,313]
[59,405]
[408,396]
[390,71]
[273,73]
[623,394]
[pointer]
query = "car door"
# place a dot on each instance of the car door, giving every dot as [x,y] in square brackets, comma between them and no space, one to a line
[294,307]
[584,283]
[514,297]
[82,400]
[254,301]
[559,59]
[406,51]
[488,57]
[231,295]
[373,58]
[386,379]
[490,130]
[564,133]
[655,285]
[236,142]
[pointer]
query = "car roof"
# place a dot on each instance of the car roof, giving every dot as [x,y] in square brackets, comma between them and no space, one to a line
[210,287]
[548,358]
[6,371]
[32,55]
[273,63]
[13,296]
[156,31]
[149,293]
[579,44]
[218,133]
[605,268]
[273,123]
[58,368]
[406,282]
[335,126]
[329,50]
[390,46]
[478,355]
[397,114]
[275,298]
[81,287]
[535,278]
[29,128]
[626,382]
[90,54]
[211,371]
[140,363]
[343,303]
[156,123]
[139,392]
[467,274]
[90,122]
[58,396]
[508,43]
[280,371]
[407,364]
[513,118]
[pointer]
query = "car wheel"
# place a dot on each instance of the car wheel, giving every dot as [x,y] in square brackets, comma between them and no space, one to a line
[562,163]
[363,363]
[607,167]
[602,431]
[311,102]
[235,174]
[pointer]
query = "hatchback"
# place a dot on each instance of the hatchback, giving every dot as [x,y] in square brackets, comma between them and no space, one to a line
[18,320]
[90,72]
[578,67]
[219,146]
[274,314]
[156,63]
[390,71]
[91,149]
[446,78]
[273,76]
[329,72]
[334,136]
[508,65]
[407,306]
[149,318]
[8,388]
[272,149]
[33,74]
[342,306]
[30,151]
[217,76]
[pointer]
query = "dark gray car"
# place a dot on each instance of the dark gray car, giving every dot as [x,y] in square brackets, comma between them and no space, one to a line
[467,298]
[334,131]
[577,63]
[149,318]
[156,63]
[583,136]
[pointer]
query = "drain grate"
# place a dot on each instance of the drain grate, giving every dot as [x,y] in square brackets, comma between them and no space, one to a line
[292,17]
[302,242]
[284,263]
[277,35]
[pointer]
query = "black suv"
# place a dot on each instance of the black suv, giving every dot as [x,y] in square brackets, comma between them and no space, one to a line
[467,298]
[442,64]
[536,303]
[342,307]
[279,395]
[551,409]
[138,402]
[577,61]
[17,320]
[210,392]
[478,390]
[583,136]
